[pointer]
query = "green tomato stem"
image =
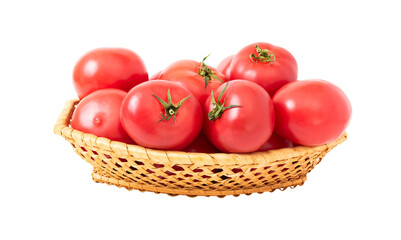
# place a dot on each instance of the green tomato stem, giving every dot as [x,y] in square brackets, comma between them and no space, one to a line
[218,107]
[264,55]
[206,72]
[169,108]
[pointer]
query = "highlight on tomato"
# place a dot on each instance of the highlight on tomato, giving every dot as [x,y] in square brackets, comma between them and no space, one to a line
[161,114]
[311,112]
[101,68]
[238,117]
[99,114]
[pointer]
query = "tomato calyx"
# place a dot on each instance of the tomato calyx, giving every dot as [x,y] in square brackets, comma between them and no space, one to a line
[169,108]
[206,72]
[218,107]
[264,55]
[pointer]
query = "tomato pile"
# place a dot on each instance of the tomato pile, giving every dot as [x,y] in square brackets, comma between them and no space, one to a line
[252,101]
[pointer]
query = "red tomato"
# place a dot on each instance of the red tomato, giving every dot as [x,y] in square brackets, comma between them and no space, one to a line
[265,64]
[197,77]
[224,66]
[311,112]
[161,114]
[108,68]
[201,145]
[275,142]
[239,117]
[99,114]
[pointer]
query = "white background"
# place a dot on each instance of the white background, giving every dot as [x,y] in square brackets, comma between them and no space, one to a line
[46,189]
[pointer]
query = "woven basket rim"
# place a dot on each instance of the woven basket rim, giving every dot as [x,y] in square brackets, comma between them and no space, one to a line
[62,128]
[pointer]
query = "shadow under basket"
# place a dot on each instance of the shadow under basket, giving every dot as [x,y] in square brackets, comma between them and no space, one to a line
[192,174]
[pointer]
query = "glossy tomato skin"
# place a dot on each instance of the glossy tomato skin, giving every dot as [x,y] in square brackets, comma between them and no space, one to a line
[186,73]
[99,114]
[141,116]
[245,128]
[311,112]
[270,76]
[276,142]
[201,145]
[108,68]
[224,66]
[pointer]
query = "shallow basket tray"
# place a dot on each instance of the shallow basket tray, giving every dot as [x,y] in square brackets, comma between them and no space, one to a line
[192,174]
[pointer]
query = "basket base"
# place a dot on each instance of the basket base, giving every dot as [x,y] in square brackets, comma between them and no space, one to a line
[100,176]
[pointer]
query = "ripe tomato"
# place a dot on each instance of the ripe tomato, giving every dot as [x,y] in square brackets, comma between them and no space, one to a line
[265,64]
[239,117]
[275,142]
[201,145]
[161,114]
[197,77]
[311,112]
[108,68]
[99,114]
[224,66]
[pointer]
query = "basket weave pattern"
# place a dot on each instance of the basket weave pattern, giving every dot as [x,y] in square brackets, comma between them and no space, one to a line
[192,174]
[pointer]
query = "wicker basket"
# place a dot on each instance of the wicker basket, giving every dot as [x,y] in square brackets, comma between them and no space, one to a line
[191,174]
